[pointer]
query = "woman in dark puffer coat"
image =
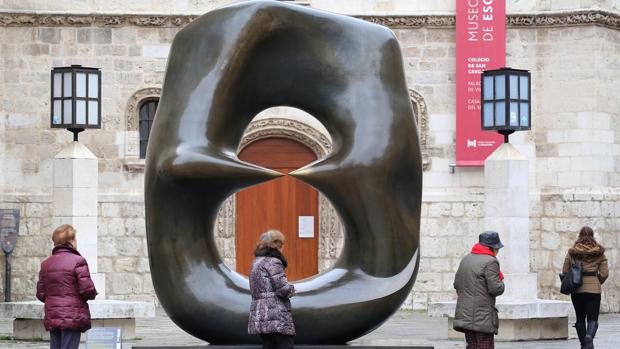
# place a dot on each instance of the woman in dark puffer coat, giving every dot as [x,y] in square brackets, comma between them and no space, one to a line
[64,286]
[270,312]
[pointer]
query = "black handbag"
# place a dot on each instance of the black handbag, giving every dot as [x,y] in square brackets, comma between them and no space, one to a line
[572,279]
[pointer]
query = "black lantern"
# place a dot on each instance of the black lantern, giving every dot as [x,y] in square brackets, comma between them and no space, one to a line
[76,98]
[505,101]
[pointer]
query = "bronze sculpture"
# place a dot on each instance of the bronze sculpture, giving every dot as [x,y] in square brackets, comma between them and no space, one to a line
[223,69]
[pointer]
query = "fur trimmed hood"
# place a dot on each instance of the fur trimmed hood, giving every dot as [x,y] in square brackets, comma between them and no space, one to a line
[583,251]
[271,252]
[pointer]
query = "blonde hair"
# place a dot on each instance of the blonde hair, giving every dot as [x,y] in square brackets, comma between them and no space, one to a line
[63,235]
[270,239]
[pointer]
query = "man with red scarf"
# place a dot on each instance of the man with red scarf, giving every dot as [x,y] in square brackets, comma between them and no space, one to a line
[477,282]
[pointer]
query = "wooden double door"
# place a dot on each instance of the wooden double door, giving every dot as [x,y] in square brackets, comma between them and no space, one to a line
[284,204]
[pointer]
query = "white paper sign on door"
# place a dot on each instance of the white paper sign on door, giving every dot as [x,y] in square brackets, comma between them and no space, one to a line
[306,226]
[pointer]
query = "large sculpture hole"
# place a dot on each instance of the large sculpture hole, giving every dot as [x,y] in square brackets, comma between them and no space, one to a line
[283,139]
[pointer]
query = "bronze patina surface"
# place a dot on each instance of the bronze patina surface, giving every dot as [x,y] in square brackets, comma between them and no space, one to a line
[225,68]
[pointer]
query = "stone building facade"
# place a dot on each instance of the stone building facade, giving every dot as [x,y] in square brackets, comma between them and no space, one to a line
[572,48]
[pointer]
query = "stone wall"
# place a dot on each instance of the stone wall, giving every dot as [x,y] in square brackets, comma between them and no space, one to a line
[122,247]
[449,226]
[131,59]
[33,245]
[340,6]
[555,224]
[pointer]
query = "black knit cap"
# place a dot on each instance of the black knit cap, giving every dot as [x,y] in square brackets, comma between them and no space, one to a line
[490,239]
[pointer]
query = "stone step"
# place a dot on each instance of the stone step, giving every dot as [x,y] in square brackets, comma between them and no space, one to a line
[28,316]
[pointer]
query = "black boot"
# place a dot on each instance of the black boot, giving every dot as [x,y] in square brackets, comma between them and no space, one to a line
[580,327]
[590,333]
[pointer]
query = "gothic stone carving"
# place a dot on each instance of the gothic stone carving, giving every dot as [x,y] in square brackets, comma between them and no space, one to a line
[131,111]
[132,163]
[421,113]
[588,17]
[411,21]
[287,128]
[607,19]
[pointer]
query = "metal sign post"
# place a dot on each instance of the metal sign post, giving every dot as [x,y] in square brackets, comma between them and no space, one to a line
[9,227]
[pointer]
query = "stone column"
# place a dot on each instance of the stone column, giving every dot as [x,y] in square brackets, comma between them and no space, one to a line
[506,206]
[522,316]
[75,201]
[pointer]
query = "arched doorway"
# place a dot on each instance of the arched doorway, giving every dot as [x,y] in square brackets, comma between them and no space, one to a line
[285,204]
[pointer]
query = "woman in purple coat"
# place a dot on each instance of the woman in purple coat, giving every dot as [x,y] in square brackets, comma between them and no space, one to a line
[65,286]
[270,312]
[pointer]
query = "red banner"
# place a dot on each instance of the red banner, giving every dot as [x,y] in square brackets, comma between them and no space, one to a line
[480,45]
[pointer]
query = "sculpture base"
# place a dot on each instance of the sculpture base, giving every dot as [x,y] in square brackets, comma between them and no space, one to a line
[296,346]
[523,320]
[524,329]
[28,323]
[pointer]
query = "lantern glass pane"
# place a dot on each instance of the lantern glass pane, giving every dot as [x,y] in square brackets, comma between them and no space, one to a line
[67,112]
[500,114]
[524,82]
[93,112]
[68,86]
[514,87]
[488,88]
[514,114]
[80,84]
[524,114]
[500,87]
[93,86]
[487,114]
[80,112]
[57,85]
[57,113]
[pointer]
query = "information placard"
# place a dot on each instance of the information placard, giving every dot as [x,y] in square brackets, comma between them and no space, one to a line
[104,338]
[9,228]
[306,227]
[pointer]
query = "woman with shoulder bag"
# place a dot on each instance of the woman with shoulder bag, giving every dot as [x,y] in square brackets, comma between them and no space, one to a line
[587,298]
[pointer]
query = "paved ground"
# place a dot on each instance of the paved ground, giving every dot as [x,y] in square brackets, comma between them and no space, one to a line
[404,328]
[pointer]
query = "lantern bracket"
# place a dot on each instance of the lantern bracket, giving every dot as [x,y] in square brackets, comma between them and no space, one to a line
[75,132]
[506,133]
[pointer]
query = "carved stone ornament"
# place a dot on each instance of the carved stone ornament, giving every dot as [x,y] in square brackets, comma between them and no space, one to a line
[411,21]
[421,118]
[132,162]
[131,111]
[603,18]
[287,128]
[545,19]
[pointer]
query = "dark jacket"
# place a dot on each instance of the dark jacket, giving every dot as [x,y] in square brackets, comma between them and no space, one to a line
[64,286]
[592,260]
[477,282]
[270,311]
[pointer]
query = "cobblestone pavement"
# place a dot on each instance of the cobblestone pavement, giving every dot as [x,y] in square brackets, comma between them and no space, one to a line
[404,328]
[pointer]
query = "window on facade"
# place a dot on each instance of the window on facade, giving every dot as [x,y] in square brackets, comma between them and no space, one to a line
[147,114]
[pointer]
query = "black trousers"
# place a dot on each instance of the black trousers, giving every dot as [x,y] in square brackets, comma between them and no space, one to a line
[65,339]
[586,305]
[277,341]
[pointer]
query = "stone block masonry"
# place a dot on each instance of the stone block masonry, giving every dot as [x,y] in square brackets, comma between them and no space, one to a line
[555,229]
[573,147]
